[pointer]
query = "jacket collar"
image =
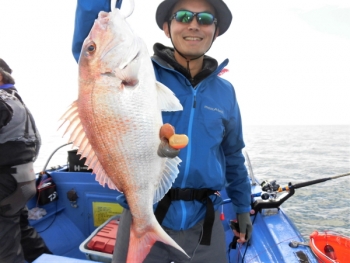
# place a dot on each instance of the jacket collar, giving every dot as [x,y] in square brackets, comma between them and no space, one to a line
[165,57]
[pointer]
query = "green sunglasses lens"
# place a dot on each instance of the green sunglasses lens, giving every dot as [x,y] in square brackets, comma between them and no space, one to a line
[205,18]
[186,17]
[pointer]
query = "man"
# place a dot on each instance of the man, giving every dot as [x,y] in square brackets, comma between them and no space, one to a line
[211,119]
[19,147]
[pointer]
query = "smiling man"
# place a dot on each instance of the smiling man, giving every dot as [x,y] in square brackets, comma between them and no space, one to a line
[211,118]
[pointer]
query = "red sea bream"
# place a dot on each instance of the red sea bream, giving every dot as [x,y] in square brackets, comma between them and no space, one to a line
[115,124]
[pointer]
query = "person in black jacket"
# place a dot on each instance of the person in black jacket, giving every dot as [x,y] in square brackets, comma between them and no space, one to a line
[19,147]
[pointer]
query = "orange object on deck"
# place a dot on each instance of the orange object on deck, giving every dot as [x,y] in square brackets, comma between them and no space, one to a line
[330,247]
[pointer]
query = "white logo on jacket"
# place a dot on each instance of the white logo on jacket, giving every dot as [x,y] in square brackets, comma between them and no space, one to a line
[214,109]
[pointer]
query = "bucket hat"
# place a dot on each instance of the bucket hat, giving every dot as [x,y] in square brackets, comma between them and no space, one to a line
[223,13]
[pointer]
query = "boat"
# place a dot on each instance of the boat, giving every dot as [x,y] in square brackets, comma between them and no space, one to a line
[330,247]
[81,220]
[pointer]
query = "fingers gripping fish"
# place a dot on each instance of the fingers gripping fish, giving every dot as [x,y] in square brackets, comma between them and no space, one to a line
[115,123]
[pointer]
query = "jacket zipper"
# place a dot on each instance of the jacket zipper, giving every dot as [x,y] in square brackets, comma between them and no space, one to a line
[189,152]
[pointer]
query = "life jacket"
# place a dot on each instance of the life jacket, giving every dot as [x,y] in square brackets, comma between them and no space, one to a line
[22,126]
[25,177]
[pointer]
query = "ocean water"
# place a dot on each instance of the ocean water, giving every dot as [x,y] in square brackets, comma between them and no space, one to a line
[286,154]
[302,153]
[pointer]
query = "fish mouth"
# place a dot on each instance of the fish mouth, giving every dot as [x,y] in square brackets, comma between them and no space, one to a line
[102,23]
[116,52]
[103,20]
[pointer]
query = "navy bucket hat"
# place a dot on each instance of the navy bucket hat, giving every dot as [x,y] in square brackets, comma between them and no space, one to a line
[223,13]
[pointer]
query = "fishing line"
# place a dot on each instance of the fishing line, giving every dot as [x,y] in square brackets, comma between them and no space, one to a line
[113,4]
[338,176]
[131,7]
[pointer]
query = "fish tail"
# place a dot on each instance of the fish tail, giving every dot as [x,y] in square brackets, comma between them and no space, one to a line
[139,247]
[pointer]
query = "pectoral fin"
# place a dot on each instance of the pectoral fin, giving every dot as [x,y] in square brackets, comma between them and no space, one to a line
[167,100]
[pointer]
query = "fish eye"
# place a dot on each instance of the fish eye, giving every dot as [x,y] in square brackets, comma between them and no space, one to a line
[91,48]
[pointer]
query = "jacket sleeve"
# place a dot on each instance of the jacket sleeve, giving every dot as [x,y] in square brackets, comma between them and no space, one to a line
[85,15]
[237,181]
[6,113]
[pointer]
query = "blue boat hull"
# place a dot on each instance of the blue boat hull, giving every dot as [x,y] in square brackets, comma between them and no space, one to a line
[68,224]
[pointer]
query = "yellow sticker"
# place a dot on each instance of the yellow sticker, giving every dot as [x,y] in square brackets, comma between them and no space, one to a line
[103,211]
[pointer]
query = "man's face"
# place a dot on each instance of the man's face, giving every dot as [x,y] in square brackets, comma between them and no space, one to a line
[192,39]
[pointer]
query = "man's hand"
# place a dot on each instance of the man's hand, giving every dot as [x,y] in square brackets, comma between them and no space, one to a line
[171,143]
[244,229]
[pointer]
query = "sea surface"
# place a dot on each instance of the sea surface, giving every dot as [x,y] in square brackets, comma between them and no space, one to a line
[302,153]
[286,154]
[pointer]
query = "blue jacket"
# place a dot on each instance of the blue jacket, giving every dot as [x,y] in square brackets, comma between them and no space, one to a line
[213,158]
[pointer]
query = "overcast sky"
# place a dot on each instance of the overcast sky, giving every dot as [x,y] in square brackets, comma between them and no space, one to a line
[289,60]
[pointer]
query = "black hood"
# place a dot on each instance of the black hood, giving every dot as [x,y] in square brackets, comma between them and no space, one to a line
[167,55]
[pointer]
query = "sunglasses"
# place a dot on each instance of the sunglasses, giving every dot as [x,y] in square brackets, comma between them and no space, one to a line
[186,17]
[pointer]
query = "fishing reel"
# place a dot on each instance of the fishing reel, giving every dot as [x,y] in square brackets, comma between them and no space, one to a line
[270,189]
[269,198]
[269,186]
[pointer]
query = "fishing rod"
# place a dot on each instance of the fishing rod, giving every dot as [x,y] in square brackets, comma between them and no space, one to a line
[271,188]
[271,185]
[300,185]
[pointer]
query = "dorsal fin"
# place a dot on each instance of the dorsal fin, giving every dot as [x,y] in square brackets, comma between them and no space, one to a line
[79,139]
